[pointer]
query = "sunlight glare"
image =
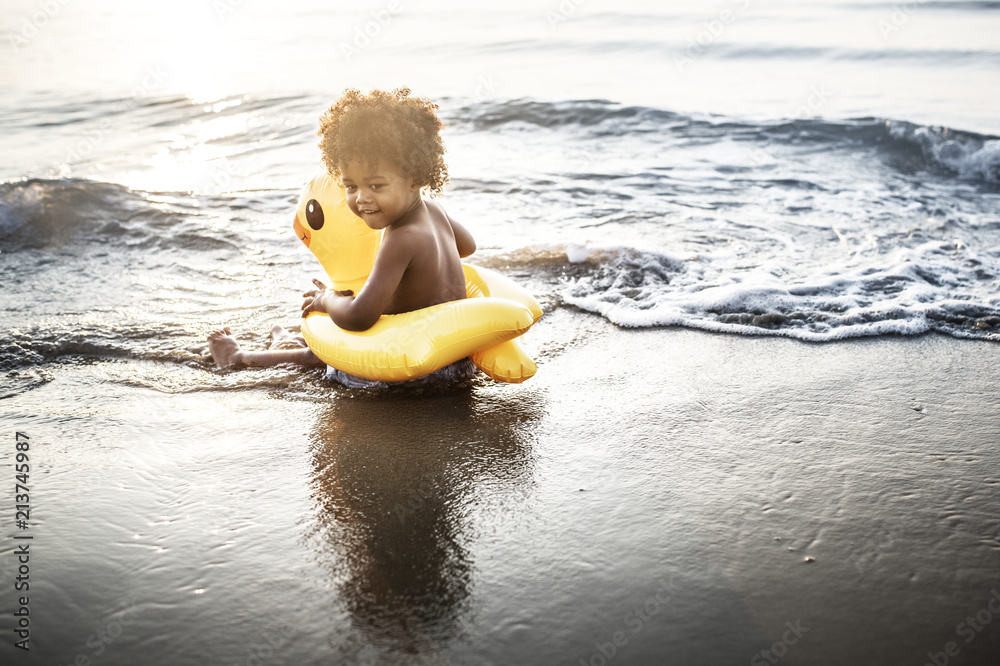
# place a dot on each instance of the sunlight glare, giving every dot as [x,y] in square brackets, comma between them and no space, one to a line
[200,48]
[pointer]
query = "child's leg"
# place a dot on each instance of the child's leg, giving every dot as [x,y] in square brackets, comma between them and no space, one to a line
[228,354]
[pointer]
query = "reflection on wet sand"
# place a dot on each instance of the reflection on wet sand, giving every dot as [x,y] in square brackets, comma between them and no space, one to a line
[396,481]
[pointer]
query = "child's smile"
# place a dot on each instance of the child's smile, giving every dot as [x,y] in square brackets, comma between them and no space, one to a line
[379,195]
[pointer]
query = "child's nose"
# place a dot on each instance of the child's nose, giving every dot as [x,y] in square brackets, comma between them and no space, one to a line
[363,197]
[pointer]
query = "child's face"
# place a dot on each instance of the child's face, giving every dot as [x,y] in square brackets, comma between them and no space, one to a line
[377,194]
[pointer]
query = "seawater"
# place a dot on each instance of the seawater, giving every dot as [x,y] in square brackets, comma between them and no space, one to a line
[818,171]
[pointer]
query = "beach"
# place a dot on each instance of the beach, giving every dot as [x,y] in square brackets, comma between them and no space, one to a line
[726,490]
[766,240]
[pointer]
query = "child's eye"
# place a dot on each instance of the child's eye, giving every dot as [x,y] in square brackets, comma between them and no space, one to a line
[377,186]
[350,188]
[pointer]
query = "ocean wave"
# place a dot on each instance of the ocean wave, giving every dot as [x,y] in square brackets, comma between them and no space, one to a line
[908,146]
[952,151]
[926,57]
[947,5]
[582,113]
[969,155]
[58,213]
[38,213]
[932,287]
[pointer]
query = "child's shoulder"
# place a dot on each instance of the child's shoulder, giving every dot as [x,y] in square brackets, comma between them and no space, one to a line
[427,216]
[419,224]
[423,232]
[437,213]
[434,207]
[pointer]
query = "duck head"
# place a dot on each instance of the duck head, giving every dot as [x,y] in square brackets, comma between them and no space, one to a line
[342,242]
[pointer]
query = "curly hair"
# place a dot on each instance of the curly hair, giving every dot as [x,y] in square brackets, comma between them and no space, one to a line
[402,130]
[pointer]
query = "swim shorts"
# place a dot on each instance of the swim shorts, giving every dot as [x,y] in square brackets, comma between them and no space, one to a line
[457,371]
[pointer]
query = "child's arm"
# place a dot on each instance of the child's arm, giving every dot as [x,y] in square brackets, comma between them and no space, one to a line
[359,312]
[463,239]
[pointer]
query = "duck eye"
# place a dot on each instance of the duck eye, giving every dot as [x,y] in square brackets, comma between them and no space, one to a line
[314,215]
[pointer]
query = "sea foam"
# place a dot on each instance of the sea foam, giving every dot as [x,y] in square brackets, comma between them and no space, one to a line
[907,292]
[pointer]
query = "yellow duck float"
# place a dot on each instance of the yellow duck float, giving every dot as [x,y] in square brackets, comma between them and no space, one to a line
[485,326]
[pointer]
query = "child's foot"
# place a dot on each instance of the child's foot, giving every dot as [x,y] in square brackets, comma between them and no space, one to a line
[224,348]
[281,338]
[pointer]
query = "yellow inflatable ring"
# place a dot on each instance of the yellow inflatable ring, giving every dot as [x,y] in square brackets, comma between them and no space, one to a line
[399,347]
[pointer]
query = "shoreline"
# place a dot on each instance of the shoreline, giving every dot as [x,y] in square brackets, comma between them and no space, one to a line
[847,490]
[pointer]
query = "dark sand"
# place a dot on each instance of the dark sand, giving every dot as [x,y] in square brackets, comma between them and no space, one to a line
[651,497]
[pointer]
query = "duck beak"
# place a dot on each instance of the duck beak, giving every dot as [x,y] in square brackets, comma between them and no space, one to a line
[300,231]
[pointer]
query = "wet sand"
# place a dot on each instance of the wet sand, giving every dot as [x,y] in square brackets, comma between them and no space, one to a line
[654,496]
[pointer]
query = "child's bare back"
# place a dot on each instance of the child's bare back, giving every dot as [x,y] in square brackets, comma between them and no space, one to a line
[434,274]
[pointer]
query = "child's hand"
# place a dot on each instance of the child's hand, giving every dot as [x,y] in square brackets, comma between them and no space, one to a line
[314,300]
